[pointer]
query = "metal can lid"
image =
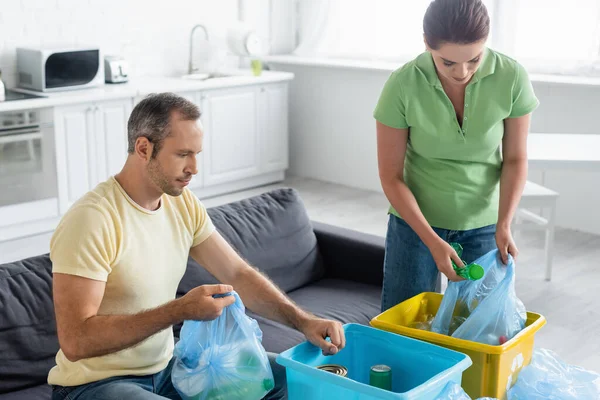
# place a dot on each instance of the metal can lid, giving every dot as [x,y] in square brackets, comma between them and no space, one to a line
[334,369]
[380,368]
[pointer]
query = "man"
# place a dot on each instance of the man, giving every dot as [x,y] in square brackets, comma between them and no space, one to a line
[119,253]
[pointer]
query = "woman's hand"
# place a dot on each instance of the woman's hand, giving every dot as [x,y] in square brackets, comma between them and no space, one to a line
[506,244]
[443,254]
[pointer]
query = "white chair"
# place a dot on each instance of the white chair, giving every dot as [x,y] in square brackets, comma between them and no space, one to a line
[534,196]
[537,197]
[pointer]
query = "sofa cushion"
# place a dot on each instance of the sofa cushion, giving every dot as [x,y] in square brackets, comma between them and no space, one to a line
[41,392]
[28,339]
[272,232]
[339,300]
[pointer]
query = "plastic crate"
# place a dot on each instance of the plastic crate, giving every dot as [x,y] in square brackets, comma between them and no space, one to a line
[495,368]
[419,370]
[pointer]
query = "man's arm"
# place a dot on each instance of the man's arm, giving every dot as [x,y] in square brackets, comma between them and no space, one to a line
[260,295]
[83,333]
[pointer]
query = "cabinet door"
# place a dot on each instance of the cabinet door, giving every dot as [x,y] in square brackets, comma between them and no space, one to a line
[75,150]
[111,136]
[273,112]
[230,135]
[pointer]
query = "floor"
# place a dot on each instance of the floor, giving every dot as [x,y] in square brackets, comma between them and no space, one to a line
[569,302]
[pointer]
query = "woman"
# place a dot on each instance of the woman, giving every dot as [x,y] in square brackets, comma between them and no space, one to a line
[452,150]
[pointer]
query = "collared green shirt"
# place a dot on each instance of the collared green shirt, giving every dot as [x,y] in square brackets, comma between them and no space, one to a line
[454,172]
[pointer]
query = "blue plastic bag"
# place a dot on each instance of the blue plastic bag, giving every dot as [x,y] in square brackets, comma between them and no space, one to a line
[549,378]
[545,378]
[222,359]
[486,311]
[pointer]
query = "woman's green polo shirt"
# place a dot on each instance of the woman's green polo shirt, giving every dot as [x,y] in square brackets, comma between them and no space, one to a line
[454,172]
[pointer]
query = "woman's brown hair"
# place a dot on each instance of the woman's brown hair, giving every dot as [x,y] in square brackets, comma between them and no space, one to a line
[455,21]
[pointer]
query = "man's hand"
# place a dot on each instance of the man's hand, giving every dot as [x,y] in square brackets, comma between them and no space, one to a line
[317,330]
[200,305]
[506,244]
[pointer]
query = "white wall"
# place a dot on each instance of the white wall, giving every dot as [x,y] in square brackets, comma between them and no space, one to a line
[152,35]
[332,133]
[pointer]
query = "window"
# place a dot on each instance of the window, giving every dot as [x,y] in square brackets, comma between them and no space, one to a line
[556,34]
[545,35]
[363,29]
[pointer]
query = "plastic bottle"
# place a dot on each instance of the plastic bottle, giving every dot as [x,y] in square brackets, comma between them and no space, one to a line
[471,271]
[239,390]
[248,381]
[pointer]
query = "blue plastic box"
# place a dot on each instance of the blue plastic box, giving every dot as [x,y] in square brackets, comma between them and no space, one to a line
[419,370]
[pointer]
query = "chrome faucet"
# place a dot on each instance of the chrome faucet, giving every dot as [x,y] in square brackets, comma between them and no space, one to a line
[191,68]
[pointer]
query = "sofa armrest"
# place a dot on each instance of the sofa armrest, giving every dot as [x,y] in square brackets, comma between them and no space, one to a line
[350,254]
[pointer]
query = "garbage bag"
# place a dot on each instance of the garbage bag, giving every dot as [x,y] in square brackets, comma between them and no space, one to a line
[549,378]
[222,359]
[488,310]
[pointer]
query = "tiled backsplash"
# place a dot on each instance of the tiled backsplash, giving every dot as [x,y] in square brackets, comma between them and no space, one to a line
[152,35]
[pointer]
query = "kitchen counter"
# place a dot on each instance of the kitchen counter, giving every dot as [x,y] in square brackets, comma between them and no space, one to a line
[143,86]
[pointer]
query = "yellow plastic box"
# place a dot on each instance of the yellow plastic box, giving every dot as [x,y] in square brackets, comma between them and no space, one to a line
[495,368]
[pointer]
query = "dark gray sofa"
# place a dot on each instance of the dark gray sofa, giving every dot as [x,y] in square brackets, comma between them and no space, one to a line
[330,271]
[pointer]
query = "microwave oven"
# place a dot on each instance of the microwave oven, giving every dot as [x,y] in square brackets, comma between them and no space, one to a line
[56,69]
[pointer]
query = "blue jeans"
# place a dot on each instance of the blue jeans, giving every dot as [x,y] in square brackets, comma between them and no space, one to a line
[150,387]
[409,268]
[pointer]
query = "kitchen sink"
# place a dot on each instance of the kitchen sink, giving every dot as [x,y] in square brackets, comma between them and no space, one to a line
[204,76]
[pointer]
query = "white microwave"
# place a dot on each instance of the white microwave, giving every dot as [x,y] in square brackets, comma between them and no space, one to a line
[56,69]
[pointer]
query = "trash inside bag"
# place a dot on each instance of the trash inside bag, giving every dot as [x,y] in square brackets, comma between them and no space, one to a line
[222,359]
[549,378]
[424,325]
[487,310]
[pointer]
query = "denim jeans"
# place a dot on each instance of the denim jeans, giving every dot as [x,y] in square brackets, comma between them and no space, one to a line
[409,268]
[150,387]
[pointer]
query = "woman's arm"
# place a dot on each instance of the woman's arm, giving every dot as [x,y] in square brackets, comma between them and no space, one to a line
[391,150]
[512,180]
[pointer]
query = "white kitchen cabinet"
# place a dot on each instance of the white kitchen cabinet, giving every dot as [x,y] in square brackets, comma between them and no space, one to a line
[111,126]
[231,142]
[73,126]
[82,140]
[273,127]
[91,145]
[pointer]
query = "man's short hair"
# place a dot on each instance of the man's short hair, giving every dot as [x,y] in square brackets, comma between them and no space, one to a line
[151,118]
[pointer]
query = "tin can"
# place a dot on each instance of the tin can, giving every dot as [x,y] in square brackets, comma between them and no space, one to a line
[334,369]
[381,376]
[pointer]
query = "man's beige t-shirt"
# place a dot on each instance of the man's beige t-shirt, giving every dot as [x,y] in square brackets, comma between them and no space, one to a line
[140,254]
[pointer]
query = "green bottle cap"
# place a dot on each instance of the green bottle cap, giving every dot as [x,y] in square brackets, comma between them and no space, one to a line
[475,272]
[471,272]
